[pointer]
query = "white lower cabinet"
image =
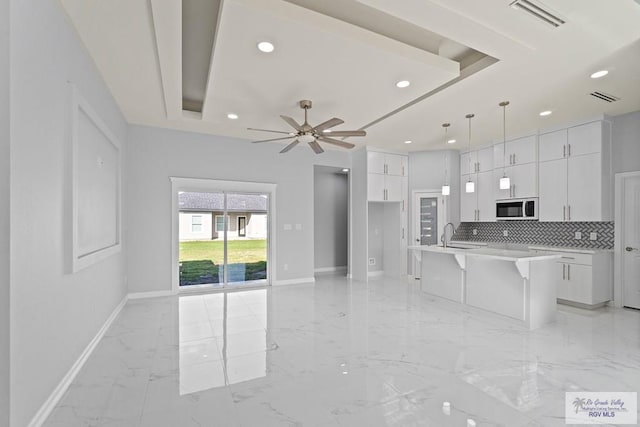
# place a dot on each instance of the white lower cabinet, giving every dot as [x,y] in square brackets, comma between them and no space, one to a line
[584,279]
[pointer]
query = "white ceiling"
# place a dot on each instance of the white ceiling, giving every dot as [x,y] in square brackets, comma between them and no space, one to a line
[348,66]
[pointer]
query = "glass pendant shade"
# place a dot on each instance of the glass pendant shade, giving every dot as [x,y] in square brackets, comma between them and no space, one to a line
[505,183]
[446,190]
[470,187]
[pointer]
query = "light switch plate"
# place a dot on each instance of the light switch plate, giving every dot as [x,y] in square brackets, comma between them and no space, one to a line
[505,233]
[593,236]
[298,227]
[578,235]
[475,231]
[288,227]
[372,261]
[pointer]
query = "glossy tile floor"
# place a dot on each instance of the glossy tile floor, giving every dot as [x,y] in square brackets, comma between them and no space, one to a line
[341,353]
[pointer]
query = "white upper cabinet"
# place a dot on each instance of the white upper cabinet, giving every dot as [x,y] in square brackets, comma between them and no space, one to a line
[574,174]
[486,201]
[476,161]
[484,159]
[385,177]
[553,145]
[585,139]
[523,178]
[386,163]
[518,152]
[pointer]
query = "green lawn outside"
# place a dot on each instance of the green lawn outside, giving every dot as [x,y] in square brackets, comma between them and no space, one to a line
[200,261]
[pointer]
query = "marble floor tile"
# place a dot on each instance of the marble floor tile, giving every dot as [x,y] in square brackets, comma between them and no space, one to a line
[343,353]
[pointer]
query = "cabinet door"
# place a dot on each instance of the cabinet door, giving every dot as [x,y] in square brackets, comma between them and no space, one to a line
[585,139]
[562,285]
[485,159]
[375,162]
[395,164]
[500,158]
[486,201]
[584,188]
[580,282]
[375,187]
[468,201]
[524,180]
[393,184]
[553,145]
[522,150]
[552,181]
[468,162]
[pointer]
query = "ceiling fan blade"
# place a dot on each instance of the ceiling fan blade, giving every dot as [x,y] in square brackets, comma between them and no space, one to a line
[291,122]
[316,147]
[328,124]
[337,142]
[346,133]
[268,130]
[274,139]
[290,146]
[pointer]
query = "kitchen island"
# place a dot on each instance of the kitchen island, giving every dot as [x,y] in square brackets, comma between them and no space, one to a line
[515,283]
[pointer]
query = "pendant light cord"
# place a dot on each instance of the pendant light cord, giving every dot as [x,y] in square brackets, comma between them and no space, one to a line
[504,104]
[470,116]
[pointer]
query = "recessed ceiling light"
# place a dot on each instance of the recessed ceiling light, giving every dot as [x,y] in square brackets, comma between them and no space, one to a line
[545,113]
[403,83]
[265,47]
[345,170]
[599,74]
[232,116]
[451,141]
[408,142]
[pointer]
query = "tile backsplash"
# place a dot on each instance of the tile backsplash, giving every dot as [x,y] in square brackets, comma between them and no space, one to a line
[561,234]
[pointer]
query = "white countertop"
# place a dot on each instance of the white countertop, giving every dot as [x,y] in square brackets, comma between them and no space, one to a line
[491,253]
[533,247]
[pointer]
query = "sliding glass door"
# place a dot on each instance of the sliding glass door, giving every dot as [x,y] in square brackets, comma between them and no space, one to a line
[223,238]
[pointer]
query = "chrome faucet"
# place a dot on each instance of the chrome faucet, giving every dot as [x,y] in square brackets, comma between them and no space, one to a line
[444,235]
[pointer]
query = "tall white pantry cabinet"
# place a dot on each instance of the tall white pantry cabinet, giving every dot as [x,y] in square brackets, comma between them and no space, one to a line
[380,189]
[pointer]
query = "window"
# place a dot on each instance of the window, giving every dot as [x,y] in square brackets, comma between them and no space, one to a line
[196,223]
[220,223]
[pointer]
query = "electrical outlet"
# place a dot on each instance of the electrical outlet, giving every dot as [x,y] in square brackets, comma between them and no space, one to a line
[505,233]
[287,227]
[298,227]
[285,267]
[372,261]
[593,236]
[475,231]
[578,235]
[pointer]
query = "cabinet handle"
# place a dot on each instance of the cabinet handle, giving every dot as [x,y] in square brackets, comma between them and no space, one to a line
[514,190]
[384,194]
[514,158]
[564,271]
[564,151]
[564,213]
[403,205]
[403,233]
[569,149]
[403,171]
[568,271]
[569,212]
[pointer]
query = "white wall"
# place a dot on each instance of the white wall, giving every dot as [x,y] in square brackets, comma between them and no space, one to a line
[156,154]
[376,236]
[331,217]
[54,315]
[4,213]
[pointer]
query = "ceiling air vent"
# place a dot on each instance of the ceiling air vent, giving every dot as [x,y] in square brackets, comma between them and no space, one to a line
[538,11]
[605,96]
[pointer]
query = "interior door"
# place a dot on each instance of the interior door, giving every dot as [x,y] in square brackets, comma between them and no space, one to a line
[429,216]
[631,243]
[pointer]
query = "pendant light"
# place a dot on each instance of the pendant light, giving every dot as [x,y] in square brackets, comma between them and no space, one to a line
[505,183]
[446,188]
[471,186]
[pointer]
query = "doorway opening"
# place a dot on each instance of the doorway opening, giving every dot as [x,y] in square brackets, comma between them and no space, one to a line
[331,220]
[221,235]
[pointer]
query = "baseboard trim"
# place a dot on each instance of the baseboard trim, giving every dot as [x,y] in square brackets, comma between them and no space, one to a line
[375,273]
[151,294]
[330,269]
[47,407]
[295,281]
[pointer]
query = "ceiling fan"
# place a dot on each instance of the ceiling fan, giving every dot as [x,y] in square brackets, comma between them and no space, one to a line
[312,134]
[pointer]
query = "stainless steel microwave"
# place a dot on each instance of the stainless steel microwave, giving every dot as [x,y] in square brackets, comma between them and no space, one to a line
[513,209]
